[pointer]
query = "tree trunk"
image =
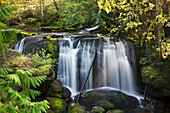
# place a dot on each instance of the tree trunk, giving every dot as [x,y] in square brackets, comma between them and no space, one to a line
[0,3]
[148,48]
[42,11]
[157,28]
[55,3]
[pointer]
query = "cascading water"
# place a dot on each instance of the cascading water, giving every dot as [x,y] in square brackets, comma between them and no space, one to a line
[112,66]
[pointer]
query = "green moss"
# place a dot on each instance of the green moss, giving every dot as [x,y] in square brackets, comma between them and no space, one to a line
[104,104]
[97,109]
[151,75]
[60,105]
[75,108]
[115,111]
[26,33]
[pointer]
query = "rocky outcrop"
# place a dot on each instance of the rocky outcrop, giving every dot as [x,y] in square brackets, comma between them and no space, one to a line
[119,99]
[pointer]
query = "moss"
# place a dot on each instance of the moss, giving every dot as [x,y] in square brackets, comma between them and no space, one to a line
[39,65]
[50,28]
[105,104]
[151,75]
[97,109]
[115,111]
[75,108]
[60,105]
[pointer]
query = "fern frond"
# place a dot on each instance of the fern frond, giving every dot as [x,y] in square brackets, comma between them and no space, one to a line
[2,25]
[3,71]
[35,81]
[6,11]
[34,93]
[15,78]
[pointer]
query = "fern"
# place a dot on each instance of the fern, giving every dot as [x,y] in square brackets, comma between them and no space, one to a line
[20,100]
[7,35]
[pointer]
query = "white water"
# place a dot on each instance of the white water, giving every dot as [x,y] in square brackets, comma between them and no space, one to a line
[113,64]
[26,42]
[113,69]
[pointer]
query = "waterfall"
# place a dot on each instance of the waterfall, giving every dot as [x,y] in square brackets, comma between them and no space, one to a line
[113,67]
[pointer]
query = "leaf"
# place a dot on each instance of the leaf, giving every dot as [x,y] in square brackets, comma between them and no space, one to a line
[14,77]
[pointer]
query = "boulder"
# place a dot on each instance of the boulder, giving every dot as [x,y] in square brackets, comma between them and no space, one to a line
[57,86]
[119,99]
[65,93]
[57,105]
[115,111]
[107,105]
[139,110]
[75,108]
[97,109]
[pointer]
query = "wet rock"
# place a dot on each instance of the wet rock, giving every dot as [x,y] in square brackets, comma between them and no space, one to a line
[119,99]
[65,93]
[57,86]
[57,105]
[75,108]
[139,110]
[45,89]
[97,109]
[115,111]
[107,105]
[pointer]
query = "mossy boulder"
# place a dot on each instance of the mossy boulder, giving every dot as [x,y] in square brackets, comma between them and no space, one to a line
[97,109]
[157,81]
[75,108]
[118,98]
[107,105]
[57,105]
[115,111]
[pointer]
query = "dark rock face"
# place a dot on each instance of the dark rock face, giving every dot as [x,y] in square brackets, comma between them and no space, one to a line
[119,99]
[57,86]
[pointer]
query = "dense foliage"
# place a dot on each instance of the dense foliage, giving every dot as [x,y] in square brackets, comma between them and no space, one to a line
[19,78]
[79,14]
[142,21]
[6,36]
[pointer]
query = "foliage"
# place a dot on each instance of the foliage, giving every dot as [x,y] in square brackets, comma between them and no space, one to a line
[34,13]
[6,36]
[79,14]
[19,78]
[143,20]
[52,46]
[152,75]
[165,47]
[14,100]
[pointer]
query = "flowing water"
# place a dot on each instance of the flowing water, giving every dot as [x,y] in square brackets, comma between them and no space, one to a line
[114,65]
[112,68]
